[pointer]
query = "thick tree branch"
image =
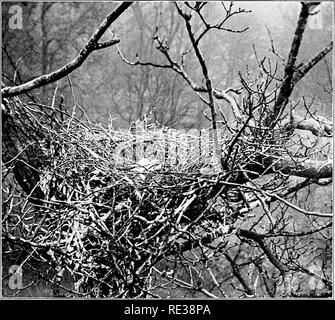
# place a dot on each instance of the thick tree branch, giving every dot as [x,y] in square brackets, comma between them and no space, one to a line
[267,251]
[318,125]
[288,83]
[92,45]
[237,273]
[303,69]
[311,169]
[304,168]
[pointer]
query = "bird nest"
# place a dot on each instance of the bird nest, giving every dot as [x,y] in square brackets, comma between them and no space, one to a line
[117,203]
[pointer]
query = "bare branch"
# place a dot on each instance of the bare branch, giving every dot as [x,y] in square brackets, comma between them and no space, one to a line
[288,83]
[311,169]
[303,69]
[319,126]
[90,46]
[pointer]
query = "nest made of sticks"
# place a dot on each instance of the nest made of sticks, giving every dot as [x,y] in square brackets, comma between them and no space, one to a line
[114,205]
[117,202]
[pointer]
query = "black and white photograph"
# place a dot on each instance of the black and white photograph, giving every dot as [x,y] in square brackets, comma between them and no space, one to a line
[160,150]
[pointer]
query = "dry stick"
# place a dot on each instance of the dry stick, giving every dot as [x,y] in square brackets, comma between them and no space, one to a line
[184,284]
[216,282]
[18,62]
[54,98]
[205,73]
[329,74]
[74,104]
[272,46]
[218,94]
[90,46]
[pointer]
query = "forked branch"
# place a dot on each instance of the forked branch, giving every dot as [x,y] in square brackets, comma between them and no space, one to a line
[92,45]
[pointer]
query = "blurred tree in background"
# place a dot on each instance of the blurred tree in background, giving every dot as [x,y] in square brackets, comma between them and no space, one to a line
[54,32]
